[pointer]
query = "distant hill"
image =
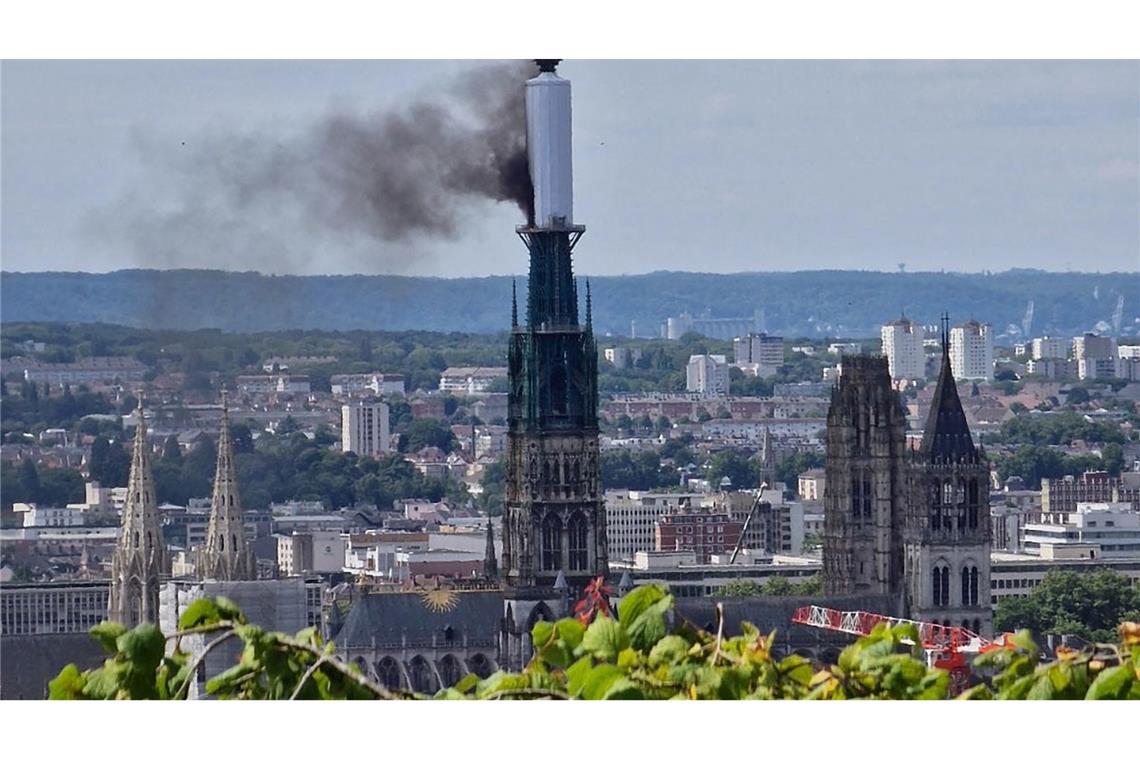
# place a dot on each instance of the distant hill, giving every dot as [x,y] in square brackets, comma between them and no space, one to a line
[807,303]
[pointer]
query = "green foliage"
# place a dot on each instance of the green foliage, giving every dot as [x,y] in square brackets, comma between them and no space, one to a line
[638,470]
[1032,463]
[1089,605]
[1058,429]
[426,432]
[638,655]
[775,586]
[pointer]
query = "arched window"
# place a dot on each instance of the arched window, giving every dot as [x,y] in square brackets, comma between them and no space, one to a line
[421,675]
[941,585]
[136,539]
[948,492]
[969,586]
[388,673]
[867,477]
[965,587]
[973,491]
[558,387]
[551,543]
[480,665]
[974,586]
[579,531]
[856,497]
[221,542]
[977,625]
[450,671]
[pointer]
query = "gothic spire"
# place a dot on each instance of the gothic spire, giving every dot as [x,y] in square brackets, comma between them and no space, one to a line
[947,433]
[514,305]
[490,563]
[589,306]
[227,555]
[140,555]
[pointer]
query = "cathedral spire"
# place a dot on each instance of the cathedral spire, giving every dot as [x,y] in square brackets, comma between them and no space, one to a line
[140,555]
[227,555]
[490,563]
[946,437]
[589,307]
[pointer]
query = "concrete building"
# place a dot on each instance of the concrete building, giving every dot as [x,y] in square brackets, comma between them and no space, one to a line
[972,351]
[305,553]
[378,383]
[470,380]
[710,327]
[688,578]
[52,608]
[1050,348]
[36,516]
[1016,575]
[1095,356]
[1107,530]
[811,484]
[364,428]
[902,345]
[631,518]
[758,354]
[622,358]
[94,369]
[707,374]
[254,385]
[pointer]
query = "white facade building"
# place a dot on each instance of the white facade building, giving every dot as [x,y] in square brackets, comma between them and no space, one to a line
[364,429]
[1106,530]
[972,351]
[902,345]
[1050,348]
[631,517]
[707,374]
[470,380]
[36,516]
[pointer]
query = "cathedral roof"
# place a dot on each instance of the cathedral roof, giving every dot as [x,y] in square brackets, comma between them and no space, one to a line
[946,437]
[415,616]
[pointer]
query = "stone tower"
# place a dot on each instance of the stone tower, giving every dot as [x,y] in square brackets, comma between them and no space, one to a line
[947,530]
[139,560]
[227,555]
[865,482]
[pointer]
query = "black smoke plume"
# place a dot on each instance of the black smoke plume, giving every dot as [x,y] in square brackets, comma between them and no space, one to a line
[349,181]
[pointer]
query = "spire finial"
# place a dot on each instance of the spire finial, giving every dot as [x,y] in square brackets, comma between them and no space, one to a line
[514,305]
[589,305]
[946,333]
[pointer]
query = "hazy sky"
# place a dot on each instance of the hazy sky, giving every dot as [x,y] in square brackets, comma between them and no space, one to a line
[683,165]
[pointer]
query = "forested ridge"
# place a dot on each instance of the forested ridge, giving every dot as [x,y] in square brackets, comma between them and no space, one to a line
[805,303]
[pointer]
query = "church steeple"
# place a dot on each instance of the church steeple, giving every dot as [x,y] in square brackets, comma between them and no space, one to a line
[227,555]
[946,437]
[140,555]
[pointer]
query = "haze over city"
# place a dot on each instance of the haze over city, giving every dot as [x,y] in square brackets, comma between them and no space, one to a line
[682,165]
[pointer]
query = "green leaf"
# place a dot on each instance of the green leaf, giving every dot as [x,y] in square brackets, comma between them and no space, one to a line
[623,688]
[143,647]
[107,633]
[571,631]
[668,650]
[1112,683]
[649,626]
[541,633]
[605,638]
[104,682]
[227,610]
[202,611]
[599,680]
[637,601]
[67,685]
[576,675]
[467,683]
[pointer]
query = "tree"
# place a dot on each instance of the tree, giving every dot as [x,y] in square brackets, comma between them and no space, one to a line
[30,481]
[171,451]
[1113,456]
[735,466]
[1090,605]
[426,432]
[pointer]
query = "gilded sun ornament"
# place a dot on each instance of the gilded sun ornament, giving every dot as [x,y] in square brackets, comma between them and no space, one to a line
[440,599]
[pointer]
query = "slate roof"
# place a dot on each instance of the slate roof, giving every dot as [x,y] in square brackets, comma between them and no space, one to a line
[947,434]
[29,662]
[416,616]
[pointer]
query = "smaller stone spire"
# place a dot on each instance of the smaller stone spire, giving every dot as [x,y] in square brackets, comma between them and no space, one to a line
[140,555]
[227,555]
[490,562]
[514,305]
[589,306]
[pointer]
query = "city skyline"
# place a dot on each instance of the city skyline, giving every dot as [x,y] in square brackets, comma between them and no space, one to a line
[968,165]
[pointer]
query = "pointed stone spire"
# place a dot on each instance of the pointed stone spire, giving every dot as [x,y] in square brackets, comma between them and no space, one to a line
[227,555]
[490,562]
[140,555]
[946,437]
[514,305]
[589,306]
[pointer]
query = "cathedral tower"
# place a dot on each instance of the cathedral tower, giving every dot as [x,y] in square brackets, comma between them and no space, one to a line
[947,531]
[554,519]
[227,555]
[865,482]
[140,555]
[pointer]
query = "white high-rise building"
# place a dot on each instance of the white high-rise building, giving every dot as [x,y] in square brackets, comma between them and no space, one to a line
[972,351]
[1096,356]
[707,374]
[1050,348]
[364,428]
[902,345]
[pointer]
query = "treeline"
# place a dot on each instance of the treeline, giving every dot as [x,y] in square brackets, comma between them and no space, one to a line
[1058,429]
[1032,463]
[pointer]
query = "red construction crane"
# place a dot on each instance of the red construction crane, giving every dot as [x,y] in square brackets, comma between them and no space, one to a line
[946,646]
